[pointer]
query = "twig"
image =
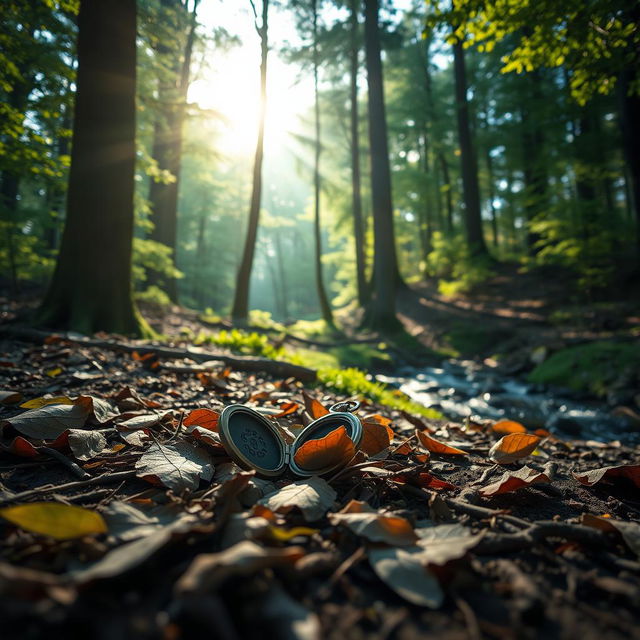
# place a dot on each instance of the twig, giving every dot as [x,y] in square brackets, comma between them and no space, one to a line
[76,470]
[353,559]
[106,478]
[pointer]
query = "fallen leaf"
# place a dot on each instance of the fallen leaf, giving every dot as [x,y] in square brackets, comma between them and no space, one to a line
[19,446]
[629,471]
[334,449]
[376,435]
[86,444]
[209,570]
[630,531]
[100,411]
[435,446]
[443,543]
[287,409]
[364,521]
[53,373]
[508,426]
[50,421]
[313,496]
[178,466]
[286,535]
[144,421]
[205,418]
[10,397]
[210,438]
[514,480]
[313,407]
[59,521]
[425,480]
[128,522]
[404,572]
[513,447]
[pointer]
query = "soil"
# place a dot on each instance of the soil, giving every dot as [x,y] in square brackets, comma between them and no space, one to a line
[536,572]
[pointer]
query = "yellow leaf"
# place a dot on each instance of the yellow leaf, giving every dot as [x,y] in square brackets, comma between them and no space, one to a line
[37,403]
[60,521]
[508,426]
[52,373]
[435,446]
[285,535]
[513,447]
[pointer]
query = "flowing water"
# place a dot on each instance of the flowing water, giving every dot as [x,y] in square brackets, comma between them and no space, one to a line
[461,389]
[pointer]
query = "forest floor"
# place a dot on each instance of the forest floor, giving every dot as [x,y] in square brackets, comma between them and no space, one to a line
[433,528]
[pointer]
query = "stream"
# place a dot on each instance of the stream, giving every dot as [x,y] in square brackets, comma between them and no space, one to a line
[461,389]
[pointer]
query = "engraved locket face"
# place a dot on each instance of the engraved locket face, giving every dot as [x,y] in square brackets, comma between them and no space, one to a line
[254,442]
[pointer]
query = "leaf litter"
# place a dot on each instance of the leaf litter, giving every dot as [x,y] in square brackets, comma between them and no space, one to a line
[456,527]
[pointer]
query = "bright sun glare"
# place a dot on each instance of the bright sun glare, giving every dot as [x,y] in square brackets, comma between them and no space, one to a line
[231,85]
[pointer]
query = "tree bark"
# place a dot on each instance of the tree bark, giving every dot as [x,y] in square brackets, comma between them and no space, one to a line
[468,160]
[240,309]
[356,195]
[167,152]
[91,286]
[325,307]
[382,308]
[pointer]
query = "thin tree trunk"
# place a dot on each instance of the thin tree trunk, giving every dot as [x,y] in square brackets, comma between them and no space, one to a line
[382,309]
[325,307]
[283,278]
[468,160]
[444,167]
[494,214]
[240,309]
[91,286]
[356,196]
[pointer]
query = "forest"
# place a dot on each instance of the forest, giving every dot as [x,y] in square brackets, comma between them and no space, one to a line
[320,313]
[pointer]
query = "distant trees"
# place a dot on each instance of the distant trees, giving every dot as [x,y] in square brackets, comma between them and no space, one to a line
[240,309]
[91,286]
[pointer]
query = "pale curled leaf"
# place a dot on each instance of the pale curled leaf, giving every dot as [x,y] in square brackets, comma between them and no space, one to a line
[50,421]
[86,444]
[59,521]
[178,466]
[313,496]
[513,447]
[403,571]
[443,543]
[629,471]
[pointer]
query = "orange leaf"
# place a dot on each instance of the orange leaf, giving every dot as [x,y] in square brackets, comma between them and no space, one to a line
[205,418]
[313,407]
[514,480]
[287,409]
[508,426]
[334,449]
[376,436]
[513,447]
[435,446]
[629,471]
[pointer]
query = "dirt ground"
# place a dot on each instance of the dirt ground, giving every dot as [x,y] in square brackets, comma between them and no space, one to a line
[441,541]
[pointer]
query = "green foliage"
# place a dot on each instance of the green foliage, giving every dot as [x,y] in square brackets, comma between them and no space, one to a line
[149,254]
[452,262]
[248,343]
[353,382]
[595,367]
[153,295]
[24,253]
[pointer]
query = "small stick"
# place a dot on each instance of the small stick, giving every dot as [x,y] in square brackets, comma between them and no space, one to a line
[105,478]
[353,559]
[76,470]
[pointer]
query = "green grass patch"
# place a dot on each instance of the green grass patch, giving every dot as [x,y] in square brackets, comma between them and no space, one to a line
[594,367]
[353,382]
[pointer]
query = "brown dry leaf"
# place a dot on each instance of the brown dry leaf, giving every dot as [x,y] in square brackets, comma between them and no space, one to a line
[513,447]
[10,397]
[144,421]
[50,421]
[287,409]
[209,570]
[313,496]
[334,449]
[205,418]
[313,407]
[405,573]
[178,466]
[630,531]
[376,434]
[514,480]
[86,444]
[629,471]
[364,521]
[210,438]
[508,426]
[435,446]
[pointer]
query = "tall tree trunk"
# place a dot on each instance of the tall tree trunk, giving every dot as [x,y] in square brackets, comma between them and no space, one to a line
[167,150]
[240,309]
[382,308]
[325,307]
[356,196]
[91,286]
[446,179]
[630,125]
[468,160]
[494,214]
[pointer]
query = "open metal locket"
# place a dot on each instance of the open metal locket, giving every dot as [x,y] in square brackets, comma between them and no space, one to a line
[253,441]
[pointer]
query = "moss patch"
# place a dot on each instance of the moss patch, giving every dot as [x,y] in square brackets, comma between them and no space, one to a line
[594,367]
